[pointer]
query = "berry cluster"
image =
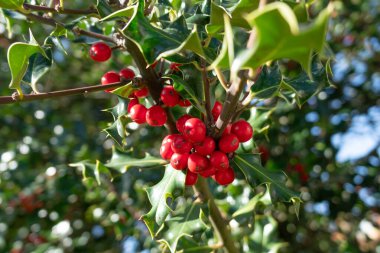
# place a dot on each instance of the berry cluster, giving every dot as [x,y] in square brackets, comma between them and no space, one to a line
[191,149]
[200,154]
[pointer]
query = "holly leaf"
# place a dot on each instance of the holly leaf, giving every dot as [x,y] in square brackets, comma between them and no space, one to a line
[103,8]
[183,223]
[91,170]
[256,174]
[18,60]
[261,198]
[123,13]
[186,91]
[170,187]
[268,84]
[124,91]
[117,131]
[120,109]
[172,40]
[12,4]
[122,161]
[38,66]
[286,41]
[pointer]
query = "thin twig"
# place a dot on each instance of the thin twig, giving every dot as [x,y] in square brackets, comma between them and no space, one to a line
[219,223]
[99,36]
[221,78]
[206,90]
[62,93]
[60,10]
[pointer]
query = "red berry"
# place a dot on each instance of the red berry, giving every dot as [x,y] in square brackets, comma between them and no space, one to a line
[169,138]
[110,77]
[156,116]
[127,74]
[225,177]
[264,154]
[228,143]
[166,151]
[197,163]
[184,103]
[209,172]
[138,113]
[181,145]
[227,130]
[100,52]
[191,178]
[180,124]
[206,147]
[179,161]
[194,130]
[219,160]
[243,130]
[216,110]
[169,96]
[142,93]
[132,102]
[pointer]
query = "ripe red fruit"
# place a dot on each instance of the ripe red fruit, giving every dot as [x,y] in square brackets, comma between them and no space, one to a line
[191,178]
[110,77]
[180,124]
[100,52]
[243,130]
[228,143]
[197,163]
[169,96]
[138,113]
[264,154]
[216,110]
[209,172]
[179,161]
[194,130]
[156,116]
[227,130]
[219,160]
[181,145]
[184,103]
[169,138]
[132,102]
[225,177]
[141,93]
[206,147]
[127,73]
[166,151]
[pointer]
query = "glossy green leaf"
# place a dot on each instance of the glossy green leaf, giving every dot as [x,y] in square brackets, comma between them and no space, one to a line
[186,91]
[117,131]
[103,8]
[256,174]
[18,60]
[171,186]
[262,198]
[38,66]
[235,13]
[286,41]
[124,91]
[122,161]
[184,222]
[91,170]
[172,40]
[120,109]
[123,13]
[268,84]
[12,4]
[259,118]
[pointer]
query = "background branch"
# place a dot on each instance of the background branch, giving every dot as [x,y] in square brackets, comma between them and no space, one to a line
[62,11]
[219,223]
[62,93]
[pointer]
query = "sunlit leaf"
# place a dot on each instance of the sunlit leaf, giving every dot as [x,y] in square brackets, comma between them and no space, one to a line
[171,186]
[184,222]
[288,40]
[256,174]
[12,4]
